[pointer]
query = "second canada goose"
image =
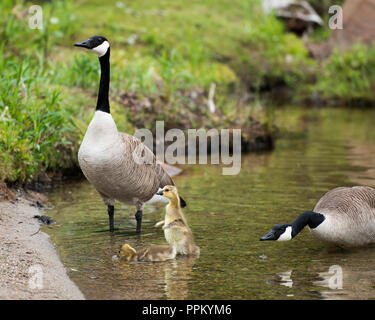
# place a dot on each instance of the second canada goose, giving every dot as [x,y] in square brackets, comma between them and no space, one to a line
[343,216]
[176,229]
[107,156]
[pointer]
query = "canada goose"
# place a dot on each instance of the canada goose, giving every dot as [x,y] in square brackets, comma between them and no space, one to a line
[343,216]
[150,254]
[176,230]
[107,156]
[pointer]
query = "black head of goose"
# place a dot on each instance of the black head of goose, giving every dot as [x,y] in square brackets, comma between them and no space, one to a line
[285,232]
[343,216]
[107,156]
[100,46]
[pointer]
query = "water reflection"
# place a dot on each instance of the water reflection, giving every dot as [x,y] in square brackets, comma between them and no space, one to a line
[348,273]
[144,280]
[286,278]
[361,155]
[337,274]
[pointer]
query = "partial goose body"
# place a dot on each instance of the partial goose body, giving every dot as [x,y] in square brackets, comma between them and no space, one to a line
[343,216]
[349,216]
[109,159]
[106,159]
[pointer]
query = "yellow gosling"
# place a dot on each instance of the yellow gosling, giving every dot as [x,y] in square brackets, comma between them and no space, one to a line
[176,230]
[150,254]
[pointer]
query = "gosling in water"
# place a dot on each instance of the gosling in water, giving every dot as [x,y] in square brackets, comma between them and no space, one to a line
[150,254]
[176,230]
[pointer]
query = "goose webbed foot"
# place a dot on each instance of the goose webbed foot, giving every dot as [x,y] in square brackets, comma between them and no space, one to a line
[111,211]
[138,217]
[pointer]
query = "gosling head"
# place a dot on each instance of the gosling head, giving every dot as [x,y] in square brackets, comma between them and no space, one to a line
[171,193]
[97,44]
[127,252]
[279,232]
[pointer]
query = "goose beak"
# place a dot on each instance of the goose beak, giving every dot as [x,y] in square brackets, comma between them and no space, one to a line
[84,44]
[269,236]
[159,193]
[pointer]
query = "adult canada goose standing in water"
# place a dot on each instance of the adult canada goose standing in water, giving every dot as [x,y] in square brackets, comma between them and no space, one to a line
[343,216]
[106,156]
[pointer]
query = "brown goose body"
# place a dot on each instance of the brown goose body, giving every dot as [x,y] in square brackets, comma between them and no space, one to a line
[106,158]
[349,216]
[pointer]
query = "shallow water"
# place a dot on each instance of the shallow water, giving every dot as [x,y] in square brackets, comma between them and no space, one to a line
[319,150]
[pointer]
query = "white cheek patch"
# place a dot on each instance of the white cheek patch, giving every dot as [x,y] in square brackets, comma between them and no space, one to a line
[101,50]
[287,235]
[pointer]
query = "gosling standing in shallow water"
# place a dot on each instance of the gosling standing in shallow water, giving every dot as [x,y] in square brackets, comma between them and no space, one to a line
[150,254]
[176,230]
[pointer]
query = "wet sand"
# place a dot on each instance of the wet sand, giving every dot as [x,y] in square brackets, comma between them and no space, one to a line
[29,265]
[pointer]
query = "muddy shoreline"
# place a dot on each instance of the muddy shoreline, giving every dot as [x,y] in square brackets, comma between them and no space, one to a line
[29,265]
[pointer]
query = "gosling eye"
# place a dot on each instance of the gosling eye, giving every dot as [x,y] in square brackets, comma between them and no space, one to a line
[166,190]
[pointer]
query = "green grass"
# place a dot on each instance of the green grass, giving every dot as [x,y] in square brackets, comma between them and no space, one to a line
[37,132]
[215,38]
[347,78]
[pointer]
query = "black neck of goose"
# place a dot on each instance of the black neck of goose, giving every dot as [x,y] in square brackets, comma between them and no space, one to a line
[310,218]
[103,100]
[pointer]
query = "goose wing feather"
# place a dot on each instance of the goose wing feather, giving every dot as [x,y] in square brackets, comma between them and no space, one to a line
[356,203]
[150,172]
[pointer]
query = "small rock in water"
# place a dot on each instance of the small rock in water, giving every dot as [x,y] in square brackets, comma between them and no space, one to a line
[115,258]
[263,256]
[44,219]
[93,277]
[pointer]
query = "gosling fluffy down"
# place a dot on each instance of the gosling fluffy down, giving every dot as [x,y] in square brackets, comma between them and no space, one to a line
[176,229]
[149,254]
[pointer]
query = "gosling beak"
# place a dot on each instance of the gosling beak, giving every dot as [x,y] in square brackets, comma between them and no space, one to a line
[269,236]
[160,192]
[84,44]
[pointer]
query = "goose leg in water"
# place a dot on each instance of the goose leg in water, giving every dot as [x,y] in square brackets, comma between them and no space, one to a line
[111,210]
[138,217]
